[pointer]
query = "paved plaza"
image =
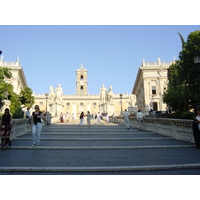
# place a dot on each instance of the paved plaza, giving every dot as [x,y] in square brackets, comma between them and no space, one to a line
[105,148]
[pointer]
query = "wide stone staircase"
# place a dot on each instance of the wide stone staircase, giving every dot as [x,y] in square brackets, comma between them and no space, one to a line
[104,148]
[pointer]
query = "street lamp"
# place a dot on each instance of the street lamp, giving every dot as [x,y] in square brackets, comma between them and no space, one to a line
[121,95]
[46,95]
[197,62]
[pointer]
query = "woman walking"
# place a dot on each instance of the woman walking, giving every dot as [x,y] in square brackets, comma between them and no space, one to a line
[73,117]
[98,118]
[61,117]
[37,117]
[5,128]
[89,116]
[82,119]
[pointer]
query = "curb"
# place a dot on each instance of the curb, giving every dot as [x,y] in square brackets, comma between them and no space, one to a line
[101,169]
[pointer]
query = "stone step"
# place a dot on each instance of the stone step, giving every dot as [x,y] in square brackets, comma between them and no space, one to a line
[94,139]
[99,147]
[101,169]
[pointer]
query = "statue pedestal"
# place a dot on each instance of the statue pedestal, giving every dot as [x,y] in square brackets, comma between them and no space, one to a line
[107,108]
[132,110]
[56,108]
[6,104]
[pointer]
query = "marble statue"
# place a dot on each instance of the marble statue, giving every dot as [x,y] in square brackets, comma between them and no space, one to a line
[132,100]
[103,94]
[51,95]
[59,94]
[109,94]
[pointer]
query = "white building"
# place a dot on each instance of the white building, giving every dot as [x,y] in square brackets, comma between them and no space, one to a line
[18,79]
[149,85]
[106,101]
[82,101]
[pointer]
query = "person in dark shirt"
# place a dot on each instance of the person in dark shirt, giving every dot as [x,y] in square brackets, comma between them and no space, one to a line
[6,124]
[37,117]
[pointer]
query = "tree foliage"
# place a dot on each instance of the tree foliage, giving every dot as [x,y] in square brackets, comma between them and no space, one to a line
[17,101]
[183,92]
[26,97]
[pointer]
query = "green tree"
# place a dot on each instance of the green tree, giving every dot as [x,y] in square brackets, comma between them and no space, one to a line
[26,97]
[183,92]
[4,73]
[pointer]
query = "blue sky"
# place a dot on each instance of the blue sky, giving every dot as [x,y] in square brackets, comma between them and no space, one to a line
[50,55]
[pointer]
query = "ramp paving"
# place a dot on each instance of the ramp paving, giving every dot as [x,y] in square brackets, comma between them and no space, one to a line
[99,149]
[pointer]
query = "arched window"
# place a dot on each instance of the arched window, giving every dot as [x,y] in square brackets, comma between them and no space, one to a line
[81,89]
[81,77]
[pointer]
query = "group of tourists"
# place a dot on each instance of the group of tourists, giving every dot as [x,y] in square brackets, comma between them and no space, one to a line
[46,120]
[99,116]
[66,117]
[35,121]
[37,117]
[82,116]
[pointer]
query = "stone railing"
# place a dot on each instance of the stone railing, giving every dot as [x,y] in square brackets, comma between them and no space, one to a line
[157,63]
[19,127]
[179,129]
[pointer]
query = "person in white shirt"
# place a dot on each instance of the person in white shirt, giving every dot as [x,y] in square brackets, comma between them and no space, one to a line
[126,115]
[28,115]
[67,117]
[107,118]
[98,118]
[73,117]
[140,117]
[198,118]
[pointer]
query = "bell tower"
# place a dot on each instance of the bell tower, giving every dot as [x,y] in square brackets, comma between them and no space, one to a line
[81,81]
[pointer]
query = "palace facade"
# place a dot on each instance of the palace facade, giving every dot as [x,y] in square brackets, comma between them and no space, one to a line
[146,94]
[149,85]
[105,102]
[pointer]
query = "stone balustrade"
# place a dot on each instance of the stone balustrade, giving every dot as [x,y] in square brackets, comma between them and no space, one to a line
[179,129]
[19,127]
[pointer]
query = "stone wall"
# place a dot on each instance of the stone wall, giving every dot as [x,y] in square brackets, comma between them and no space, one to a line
[179,129]
[19,127]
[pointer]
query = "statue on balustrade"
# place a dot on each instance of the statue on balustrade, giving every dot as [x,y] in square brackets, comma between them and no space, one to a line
[109,95]
[132,100]
[59,94]
[103,94]
[51,95]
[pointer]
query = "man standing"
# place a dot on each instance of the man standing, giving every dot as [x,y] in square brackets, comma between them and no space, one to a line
[140,117]
[28,114]
[126,115]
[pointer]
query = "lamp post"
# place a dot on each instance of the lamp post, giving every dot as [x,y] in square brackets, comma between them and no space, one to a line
[121,95]
[197,62]
[46,95]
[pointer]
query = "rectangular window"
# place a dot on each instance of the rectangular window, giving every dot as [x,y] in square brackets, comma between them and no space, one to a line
[68,104]
[41,103]
[81,104]
[153,88]
[94,104]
